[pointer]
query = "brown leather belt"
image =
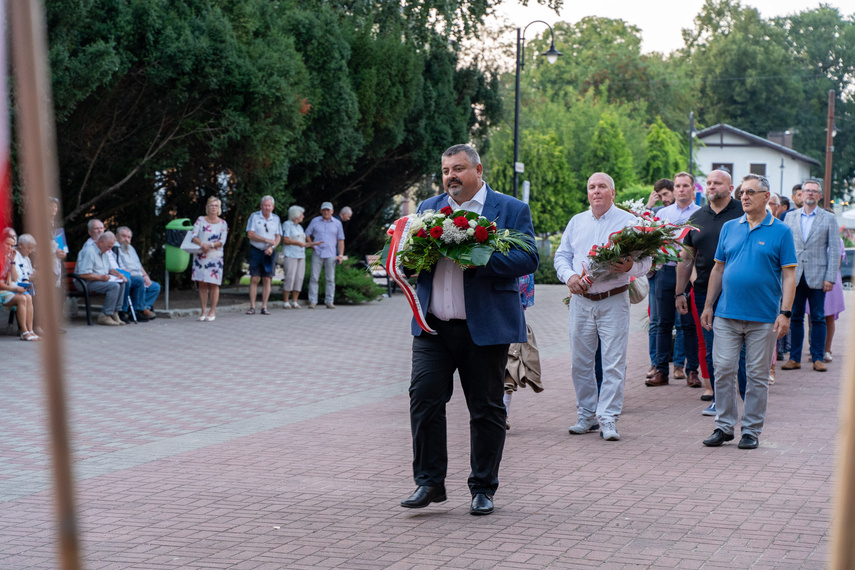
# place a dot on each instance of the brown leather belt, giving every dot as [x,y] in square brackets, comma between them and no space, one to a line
[606,294]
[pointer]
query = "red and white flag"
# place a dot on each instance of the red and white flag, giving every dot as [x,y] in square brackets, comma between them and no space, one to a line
[5,174]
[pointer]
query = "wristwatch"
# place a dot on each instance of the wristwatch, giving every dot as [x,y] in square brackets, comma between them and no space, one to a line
[787,314]
[683,294]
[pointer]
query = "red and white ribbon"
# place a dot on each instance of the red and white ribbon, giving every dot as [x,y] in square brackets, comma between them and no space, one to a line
[399,232]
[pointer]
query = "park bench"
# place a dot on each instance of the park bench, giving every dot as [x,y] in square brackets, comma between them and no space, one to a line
[72,292]
[378,272]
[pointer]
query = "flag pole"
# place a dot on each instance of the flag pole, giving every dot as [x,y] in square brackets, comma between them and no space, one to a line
[843,523]
[37,145]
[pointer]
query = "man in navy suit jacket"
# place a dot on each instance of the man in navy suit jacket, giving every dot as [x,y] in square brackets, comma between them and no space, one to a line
[476,314]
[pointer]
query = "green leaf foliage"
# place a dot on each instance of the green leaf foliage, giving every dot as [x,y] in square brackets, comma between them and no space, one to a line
[609,152]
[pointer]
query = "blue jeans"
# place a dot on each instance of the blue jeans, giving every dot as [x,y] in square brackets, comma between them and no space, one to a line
[669,317]
[654,318]
[680,346]
[709,337]
[816,298]
[143,297]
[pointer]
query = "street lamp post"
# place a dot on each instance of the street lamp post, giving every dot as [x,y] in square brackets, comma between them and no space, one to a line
[551,56]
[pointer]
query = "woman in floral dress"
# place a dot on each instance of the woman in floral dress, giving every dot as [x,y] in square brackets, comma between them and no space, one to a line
[209,232]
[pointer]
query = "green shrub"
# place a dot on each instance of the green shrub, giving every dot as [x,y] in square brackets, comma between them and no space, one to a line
[353,284]
[545,274]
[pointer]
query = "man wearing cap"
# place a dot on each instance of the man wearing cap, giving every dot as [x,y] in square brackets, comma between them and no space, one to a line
[264,233]
[328,232]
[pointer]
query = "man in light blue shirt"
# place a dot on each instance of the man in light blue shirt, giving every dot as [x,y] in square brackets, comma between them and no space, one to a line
[755,272]
[329,232]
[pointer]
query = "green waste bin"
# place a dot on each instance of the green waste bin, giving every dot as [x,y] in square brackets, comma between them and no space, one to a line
[177,259]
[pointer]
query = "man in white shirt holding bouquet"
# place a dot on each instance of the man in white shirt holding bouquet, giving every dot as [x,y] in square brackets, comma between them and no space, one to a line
[598,310]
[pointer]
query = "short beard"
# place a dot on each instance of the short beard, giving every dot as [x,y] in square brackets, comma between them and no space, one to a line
[808,202]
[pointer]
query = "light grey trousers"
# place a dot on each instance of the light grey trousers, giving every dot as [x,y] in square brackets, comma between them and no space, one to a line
[113,292]
[608,319]
[759,339]
[329,274]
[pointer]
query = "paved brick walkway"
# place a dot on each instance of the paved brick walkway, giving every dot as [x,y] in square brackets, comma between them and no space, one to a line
[283,441]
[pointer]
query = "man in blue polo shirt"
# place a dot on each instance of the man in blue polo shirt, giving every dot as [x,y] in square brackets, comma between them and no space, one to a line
[755,272]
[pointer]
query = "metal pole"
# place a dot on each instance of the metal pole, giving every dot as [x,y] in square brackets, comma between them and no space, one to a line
[37,144]
[829,148]
[517,117]
[691,136]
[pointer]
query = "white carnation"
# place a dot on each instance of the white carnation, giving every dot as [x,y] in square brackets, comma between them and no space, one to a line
[470,232]
[472,223]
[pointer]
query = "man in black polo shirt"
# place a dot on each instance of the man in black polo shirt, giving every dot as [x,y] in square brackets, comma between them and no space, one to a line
[699,253]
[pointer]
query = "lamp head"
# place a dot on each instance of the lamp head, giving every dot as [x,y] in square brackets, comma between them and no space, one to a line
[552,54]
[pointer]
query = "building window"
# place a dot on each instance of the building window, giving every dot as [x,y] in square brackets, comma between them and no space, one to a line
[758,169]
[727,167]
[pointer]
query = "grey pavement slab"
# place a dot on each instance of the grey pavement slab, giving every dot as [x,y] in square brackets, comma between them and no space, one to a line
[283,441]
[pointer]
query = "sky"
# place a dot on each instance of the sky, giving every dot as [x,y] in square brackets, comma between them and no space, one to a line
[661,21]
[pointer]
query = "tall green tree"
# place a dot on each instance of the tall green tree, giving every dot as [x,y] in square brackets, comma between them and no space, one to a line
[749,78]
[609,152]
[664,155]
[556,192]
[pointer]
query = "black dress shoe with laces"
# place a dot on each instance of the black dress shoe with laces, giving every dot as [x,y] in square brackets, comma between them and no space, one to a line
[482,504]
[748,442]
[423,496]
[717,438]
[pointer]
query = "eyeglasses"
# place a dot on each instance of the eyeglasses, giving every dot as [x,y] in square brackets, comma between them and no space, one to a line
[265,227]
[751,192]
[810,191]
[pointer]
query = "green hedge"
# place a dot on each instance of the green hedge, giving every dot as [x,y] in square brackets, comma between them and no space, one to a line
[353,284]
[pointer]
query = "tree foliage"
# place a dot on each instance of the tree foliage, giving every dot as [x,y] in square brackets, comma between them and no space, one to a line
[609,152]
[162,103]
[664,155]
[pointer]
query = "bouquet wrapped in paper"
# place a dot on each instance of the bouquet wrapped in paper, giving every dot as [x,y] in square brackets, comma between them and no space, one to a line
[650,237]
[418,241]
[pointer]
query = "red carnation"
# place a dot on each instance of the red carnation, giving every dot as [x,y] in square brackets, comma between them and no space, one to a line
[461,222]
[436,232]
[422,233]
[447,211]
[481,234]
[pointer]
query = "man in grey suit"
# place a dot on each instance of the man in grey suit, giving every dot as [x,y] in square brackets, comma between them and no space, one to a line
[817,242]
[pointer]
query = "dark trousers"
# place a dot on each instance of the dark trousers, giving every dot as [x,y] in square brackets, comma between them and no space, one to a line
[816,299]
[709,338]
[482,377]
[667,317]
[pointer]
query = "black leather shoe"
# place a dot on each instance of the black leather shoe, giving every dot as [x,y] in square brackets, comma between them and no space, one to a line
[423,496]
[748,442]
[123,316]
[482,504]
[717,438]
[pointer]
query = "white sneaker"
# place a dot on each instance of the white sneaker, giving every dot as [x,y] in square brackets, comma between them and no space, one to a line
[608,431]
[584,425]
[287,305]
[296,305]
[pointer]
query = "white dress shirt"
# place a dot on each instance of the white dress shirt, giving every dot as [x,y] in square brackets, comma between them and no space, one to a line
[586,230]
[674,214]
[446,299]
